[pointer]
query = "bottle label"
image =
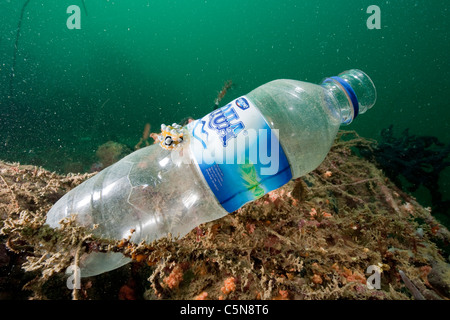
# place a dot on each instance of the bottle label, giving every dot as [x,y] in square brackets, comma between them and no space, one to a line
[238,154]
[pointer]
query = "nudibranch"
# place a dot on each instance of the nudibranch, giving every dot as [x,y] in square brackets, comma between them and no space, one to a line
[171,136]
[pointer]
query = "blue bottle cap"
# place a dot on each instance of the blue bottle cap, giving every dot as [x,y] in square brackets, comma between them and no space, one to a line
[350,93]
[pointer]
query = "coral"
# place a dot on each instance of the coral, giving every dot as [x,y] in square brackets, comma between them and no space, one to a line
[282,295]
[174,278]
[327,174]
[202,296]
[313,238]
[127,291]
[27,194]
[317,279]
[229,285]
[353,276]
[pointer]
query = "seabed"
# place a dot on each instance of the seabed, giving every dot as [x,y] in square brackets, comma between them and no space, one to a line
[322,236]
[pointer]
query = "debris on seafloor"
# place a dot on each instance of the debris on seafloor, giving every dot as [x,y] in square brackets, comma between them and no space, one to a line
[314,238]
[416,160]
[415,292]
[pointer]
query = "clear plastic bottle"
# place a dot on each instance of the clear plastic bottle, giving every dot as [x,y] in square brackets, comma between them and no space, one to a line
[154,191]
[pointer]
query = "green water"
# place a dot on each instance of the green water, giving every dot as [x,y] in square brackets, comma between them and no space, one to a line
[142,61]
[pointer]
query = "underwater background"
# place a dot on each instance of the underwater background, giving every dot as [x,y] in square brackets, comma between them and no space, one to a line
[65,92]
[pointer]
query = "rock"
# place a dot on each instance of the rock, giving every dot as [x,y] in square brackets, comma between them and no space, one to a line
[439,278]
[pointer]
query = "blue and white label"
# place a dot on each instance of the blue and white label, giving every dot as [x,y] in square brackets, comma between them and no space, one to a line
[238,154]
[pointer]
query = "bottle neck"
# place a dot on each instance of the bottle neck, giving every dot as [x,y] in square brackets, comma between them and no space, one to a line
[344,98]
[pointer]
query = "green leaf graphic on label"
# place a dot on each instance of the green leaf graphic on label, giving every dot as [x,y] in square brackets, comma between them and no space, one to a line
[247,171]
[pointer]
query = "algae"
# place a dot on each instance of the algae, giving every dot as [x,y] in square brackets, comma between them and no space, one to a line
[313,238]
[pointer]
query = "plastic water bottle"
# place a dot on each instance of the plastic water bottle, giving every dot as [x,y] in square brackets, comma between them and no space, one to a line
[236,154]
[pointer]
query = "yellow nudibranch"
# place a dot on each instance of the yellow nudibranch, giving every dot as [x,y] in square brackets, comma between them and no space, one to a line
[171,136]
